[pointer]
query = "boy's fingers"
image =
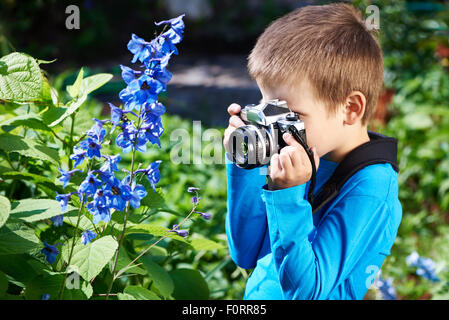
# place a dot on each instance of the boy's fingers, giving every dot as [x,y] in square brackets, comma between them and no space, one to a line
[236,122]
[290,140]
[275,166]
[286,161]
[228,132]
[234,109]
[295,155]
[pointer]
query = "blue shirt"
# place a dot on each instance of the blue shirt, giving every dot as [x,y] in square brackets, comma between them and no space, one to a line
[333,254]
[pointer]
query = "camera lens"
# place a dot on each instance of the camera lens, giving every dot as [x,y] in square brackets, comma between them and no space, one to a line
[250,146]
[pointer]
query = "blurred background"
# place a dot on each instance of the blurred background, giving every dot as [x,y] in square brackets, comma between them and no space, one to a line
[210,73]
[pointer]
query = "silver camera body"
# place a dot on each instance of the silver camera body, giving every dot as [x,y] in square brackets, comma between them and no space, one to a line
[254,144]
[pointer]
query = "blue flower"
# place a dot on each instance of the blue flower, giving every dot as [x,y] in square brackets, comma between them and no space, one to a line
[90,185]
[205,216]
[152,173]
[117,193]
[127,97]
[152,111]
[129,74]
[63,199]
[386,288]
[140,48]
[100,198]
[99,212]
[138,192]
[87,236]
[50,252]
[195,200]
[117,115]
[425,266]
[111,163]
[141,141]
[46,297]
[78,156]
[176,28]
[58,220]
[125,139]
[65,176]
[153,129]
[105,175]
[182,233]
[156,69]
[139,91]
[163,46]
[92,145]
[97,131]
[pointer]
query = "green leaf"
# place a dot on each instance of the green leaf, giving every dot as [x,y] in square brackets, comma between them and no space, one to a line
[5,208]
[16,239]
[32,121]
[125,296]
[152,199]
[45,61]
[28,147]
[161,279]
[46,90]
[94,82]
[74,89]
[79,91]
[189,285]
[205,244]
[3,284]
[155,230]
[72,106]
[37,179]
[50,283]
[18,267]
[91,258]
[32,210]
[138,293]
[20,78]
[71,217]
[87,289]
[52,114]
[124,260]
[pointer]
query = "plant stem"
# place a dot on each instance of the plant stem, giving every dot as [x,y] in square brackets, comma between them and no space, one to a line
[71,140]
[122,236]
[59,138]
[61,290]
[152,245]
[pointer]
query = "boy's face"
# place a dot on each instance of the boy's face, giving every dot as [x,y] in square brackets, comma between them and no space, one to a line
[323,131]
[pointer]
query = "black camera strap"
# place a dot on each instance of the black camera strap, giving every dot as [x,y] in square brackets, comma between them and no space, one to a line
[380,149]
[294,132]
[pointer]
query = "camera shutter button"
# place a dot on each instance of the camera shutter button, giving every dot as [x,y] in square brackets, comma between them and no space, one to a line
[291,116]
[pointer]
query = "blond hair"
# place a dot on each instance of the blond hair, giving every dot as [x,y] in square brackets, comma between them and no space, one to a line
[330,46]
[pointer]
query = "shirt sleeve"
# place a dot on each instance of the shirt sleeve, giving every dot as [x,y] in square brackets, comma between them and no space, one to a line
[312,269]
[246,219]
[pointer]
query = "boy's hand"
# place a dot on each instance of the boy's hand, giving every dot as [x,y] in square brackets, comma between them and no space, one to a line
[234,123]
[291,167]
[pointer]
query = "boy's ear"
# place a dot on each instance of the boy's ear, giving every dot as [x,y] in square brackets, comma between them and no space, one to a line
[354,107]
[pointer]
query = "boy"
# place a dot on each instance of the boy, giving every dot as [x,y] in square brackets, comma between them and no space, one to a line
[328,67]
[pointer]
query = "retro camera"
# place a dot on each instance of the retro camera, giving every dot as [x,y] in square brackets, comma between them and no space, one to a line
[253,145]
